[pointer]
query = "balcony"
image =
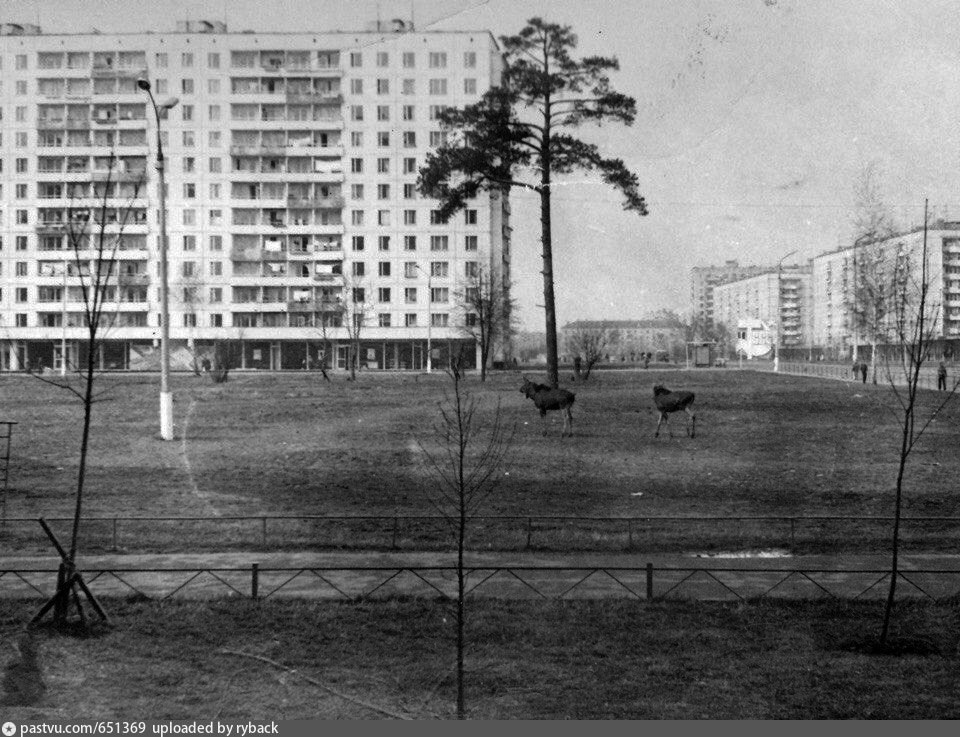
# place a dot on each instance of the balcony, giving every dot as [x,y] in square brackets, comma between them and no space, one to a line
[331,98]
[51,228]
[328,278]
[133,280]
[102,175]
[270,255]
[312,203]
[302,305]
[258,150]
[102,72]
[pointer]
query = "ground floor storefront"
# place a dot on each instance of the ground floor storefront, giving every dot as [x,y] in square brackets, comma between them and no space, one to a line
[264,355]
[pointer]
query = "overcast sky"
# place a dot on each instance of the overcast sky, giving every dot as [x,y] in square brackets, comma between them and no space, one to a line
[755,119]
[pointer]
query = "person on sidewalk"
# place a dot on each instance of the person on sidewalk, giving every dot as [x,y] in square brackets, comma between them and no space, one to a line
[863,371]
[942,377]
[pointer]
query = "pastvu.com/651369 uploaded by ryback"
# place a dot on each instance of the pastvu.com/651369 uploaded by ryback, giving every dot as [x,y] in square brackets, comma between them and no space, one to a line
[222,729]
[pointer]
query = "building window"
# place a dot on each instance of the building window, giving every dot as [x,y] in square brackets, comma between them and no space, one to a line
[356,59]
[189,243]
[383,294]
[356,86]
[214,165]
[216,268]
[470,59]
[409,139]
[407,112]
[438,86]
[470,243]
[383,191]
[439,268]
[410,319]
[356,166]
[438,60]
[358,268]
[356,217]
[186,59]
[359,296]
[439,319]
[471,269]
[409,243]
[439,295]
[383,165]
[439,242]
[410,218]
[410,165]
[216,320]
[216,242]
[470,217]
[160,61]
[383,112]
[383,139]
[470,86]
[383,86]
[384,242]
[384,318]
[21,243]
[357,242]
[21,320]
[213,60]
[383,217]
[189,190]
[186,86]
[409,191]
[356,138]
[356,191]
[383,268]
[409,86]
[213,86]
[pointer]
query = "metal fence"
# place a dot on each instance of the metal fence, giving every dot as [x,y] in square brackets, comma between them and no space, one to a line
[844,372]
[791,533]
[645,582]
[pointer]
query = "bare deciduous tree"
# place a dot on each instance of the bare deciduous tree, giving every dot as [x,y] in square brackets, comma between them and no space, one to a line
[465,455]
[590,344]
[488,313]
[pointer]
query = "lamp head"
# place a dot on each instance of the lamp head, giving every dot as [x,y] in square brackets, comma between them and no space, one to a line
[169,103]
[143,84]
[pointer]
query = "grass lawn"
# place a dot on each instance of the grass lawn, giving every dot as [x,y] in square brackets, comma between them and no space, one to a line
[587,660]
[293,444]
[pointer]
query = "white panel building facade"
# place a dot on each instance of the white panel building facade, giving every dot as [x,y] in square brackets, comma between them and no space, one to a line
[291,163]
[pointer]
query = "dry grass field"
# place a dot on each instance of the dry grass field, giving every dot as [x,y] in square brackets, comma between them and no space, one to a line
[291,444]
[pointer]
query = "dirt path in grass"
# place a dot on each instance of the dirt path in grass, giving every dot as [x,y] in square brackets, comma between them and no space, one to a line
[349,575]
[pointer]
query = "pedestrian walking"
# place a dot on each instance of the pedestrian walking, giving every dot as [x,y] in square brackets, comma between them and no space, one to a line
[942,377]
[856,369]
[863,371]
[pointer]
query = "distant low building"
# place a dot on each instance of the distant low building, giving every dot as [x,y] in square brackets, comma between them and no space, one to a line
[627,339]
[754,339]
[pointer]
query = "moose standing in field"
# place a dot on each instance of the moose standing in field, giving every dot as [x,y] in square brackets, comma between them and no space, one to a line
[667,402]
[546,398]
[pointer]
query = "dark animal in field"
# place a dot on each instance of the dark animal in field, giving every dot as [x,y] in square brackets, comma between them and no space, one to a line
[546,398]
[668,402]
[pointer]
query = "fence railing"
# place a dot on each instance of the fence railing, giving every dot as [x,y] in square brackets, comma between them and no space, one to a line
[707,534]
[645,582]
[841,372]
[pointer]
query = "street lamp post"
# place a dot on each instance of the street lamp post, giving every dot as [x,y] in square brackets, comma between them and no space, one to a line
[776,343]
[429,317]
[166,399]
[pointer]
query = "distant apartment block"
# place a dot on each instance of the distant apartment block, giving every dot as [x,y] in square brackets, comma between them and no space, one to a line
[291,168]
[703,280]
[779,299]
[628,338]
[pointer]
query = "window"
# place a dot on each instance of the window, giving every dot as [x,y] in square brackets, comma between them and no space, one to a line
[471,269]
[409,191]
[357,242]
[213,139]
[383,268]
[190,320]
[439,295]
[407,112]
[410,293]
[356,217]
[189,163]
[439,242]
[189,191]
[21,294]
[214,191]
[410,319]
[21,268]
[438,59]
[383,112]
[470,59]
[356,138]
[21,61]
[188,139]
[437,138]
[189,268]
[409,86]
[21,113]
[383,139]
[187,112]
[409,217]
[358,297]
[356,166]
[383,242]
[435,218]
[356,86]
[358,268]
[409,139]
[384,317]
[409,60]
[383,59]
[410,165]
[216,217]
[21,191]
[21,166]
[216,319]
[356,59]
[213,112]
[216,242]
[438,86]
[21,243]
[189,243]
[470,86]
[383,217]
[383,165]
[214,165]
[213,86]
[186,59]
[356,112]
[160,61]
[470,243]
[216,268]
[186,86]
[383,86]
[439,319]
[439,268]
[213,61]
[356,191]
[409,243]
[21,87]
[189,217]
[383,294]
[23,217]
[470,217]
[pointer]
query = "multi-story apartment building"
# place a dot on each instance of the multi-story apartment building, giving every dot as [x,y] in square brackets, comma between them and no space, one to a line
[703,280]
[291,168]
[778,298]
[896,263]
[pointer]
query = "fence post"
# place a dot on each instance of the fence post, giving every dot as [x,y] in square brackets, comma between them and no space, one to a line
[396,524]
[629,534]
[649,581]
[114,534]
[263,530]
[529,531]
[255,581]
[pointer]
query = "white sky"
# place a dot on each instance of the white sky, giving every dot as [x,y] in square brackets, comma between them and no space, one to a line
[755,119]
